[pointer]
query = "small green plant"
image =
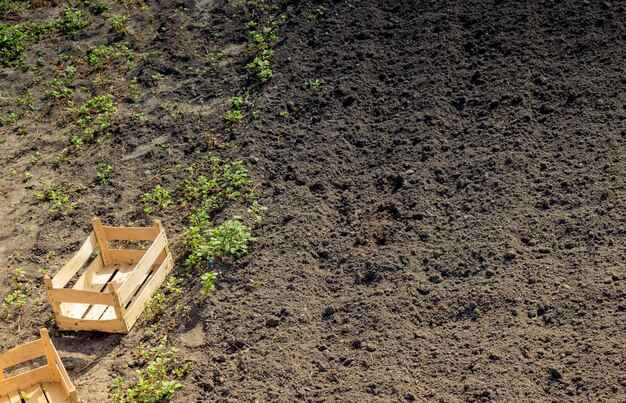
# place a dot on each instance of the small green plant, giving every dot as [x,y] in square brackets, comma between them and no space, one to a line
[159,197]
[260,66]
[71,21]
[101,57]
[12,43]
[208,282]
[207,243]
[59,85]
[255,209]
[59,196]
[100,7]
[234,116]
[214,57]
[157,380]
[315,85]
[93,116]
[8,120]
[12,304]
[103,174]
[316,13]
[154,306]
[119,23]
[239,102]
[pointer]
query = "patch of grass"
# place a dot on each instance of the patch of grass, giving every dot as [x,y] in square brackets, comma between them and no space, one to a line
[59,85]
[12,43]
[119,23]
[100,7]
[14,38]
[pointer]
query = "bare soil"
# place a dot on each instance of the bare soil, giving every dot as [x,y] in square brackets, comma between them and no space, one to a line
[446,215]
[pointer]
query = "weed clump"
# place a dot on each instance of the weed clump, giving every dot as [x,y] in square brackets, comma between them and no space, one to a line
[157,380]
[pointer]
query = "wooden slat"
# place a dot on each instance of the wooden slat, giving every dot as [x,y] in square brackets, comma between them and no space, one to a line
[129,256]
[103,242]
[87,278]
[131,233]
[80,296]
[110,326]
[122,275]
[56,393]
[97,282]
[75,263]
[13,397]
[22,353]
[64,378]
[35,394]
[50,355]
[128,289]
[139,303]
[24,380]
[98,311]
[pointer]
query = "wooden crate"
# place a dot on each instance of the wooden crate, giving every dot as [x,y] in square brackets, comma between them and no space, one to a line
[46,384]
[112,291]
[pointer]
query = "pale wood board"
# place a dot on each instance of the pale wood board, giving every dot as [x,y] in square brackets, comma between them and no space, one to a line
[109,326]
[56,393]
[21,353]
[139,303]
[130,233]
[35,394]
[11,398]
[120,277]
[75,263]
[79,296]
[131,256]
[128,289]
[32,377]
[103,243]
[99,280]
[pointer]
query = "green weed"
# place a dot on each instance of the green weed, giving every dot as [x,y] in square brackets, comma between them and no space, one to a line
[159,197]
[260,66]
[315,85]
[71,21]
[157,380]
[101,57]
[231,238]
[13,303]
[103,174]
[60,196]
[208,282]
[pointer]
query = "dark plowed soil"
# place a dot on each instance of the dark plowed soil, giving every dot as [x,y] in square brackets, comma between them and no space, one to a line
[446,213]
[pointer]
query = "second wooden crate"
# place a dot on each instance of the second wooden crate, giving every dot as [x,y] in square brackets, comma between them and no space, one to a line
[111,293]
[48,383]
